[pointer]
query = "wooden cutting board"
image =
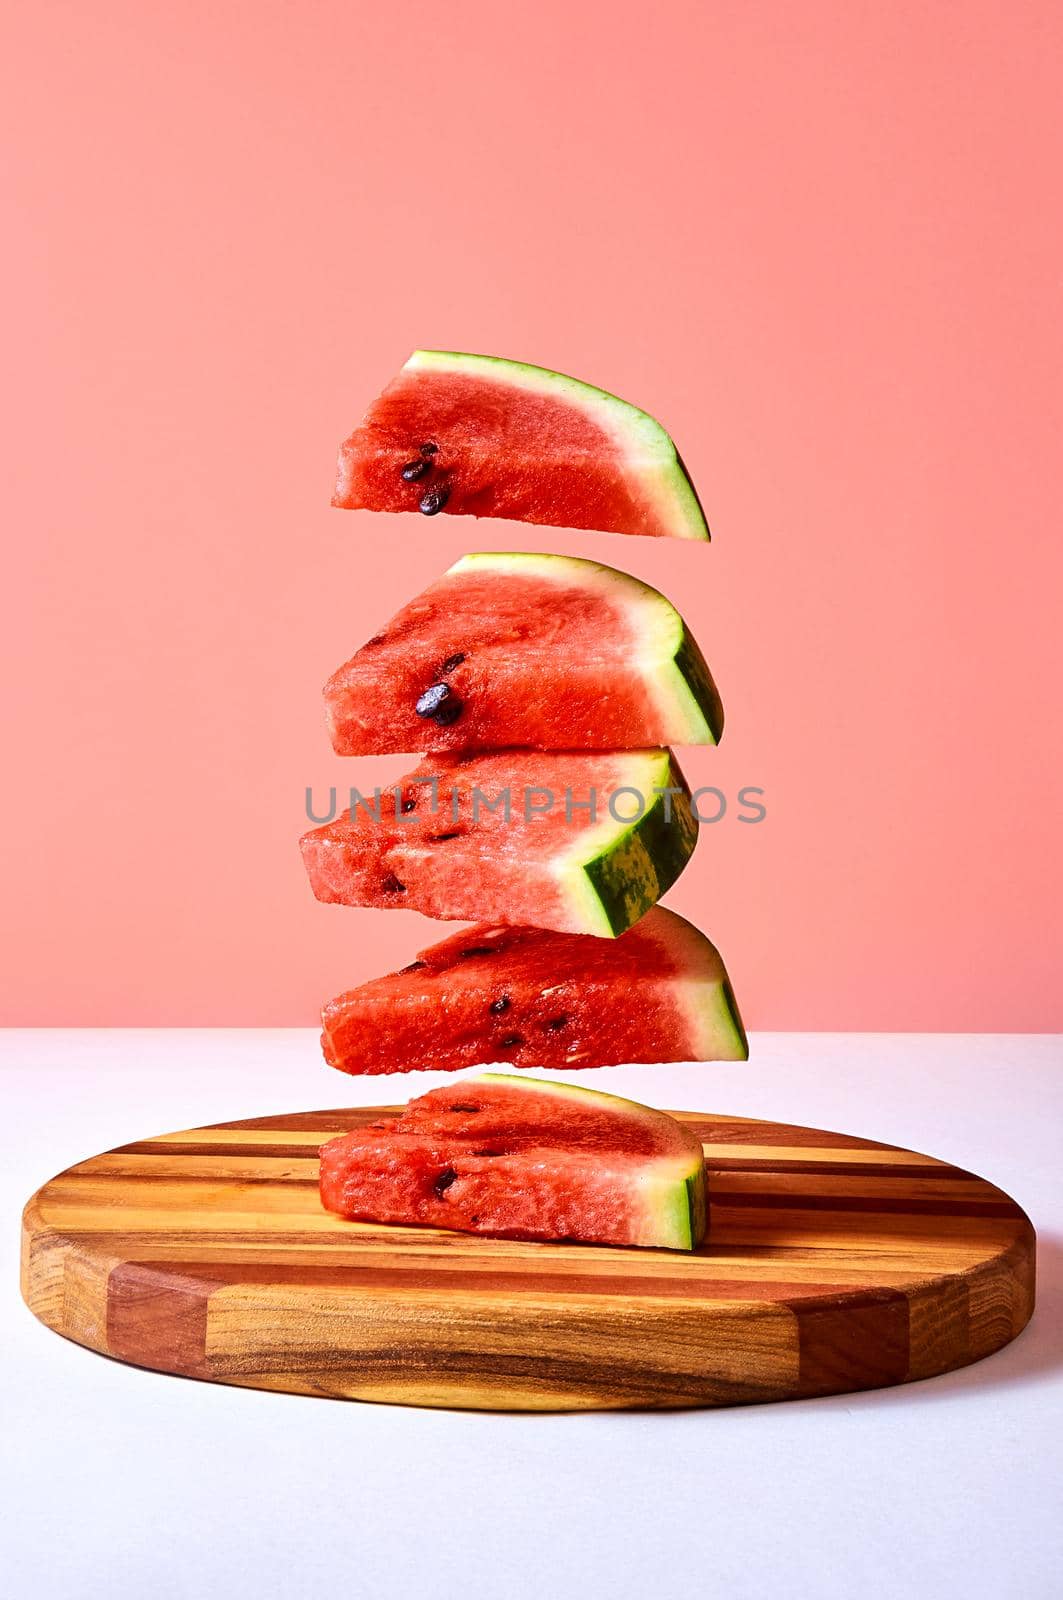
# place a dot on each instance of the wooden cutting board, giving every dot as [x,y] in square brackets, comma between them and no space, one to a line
[833,1264]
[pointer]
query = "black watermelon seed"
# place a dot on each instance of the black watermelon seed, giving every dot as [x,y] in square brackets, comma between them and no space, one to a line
[449,712]
[511,1042]
[440,703]
[441,838]
[556,1024]
[415,469]
[435,499]
[391,885]
[500,1006]
[477,950]
[429,449]
[408,805]
[414,966]
[490,1152]
[451,662]
[429,702]
[444,1181]
[463,1108]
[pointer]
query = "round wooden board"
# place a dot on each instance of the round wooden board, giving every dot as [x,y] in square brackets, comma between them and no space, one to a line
[832,1264]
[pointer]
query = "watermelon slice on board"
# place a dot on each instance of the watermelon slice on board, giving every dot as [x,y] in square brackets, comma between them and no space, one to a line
[544,651]
[485,437]
[531,998]
[524,1159]
[510,836]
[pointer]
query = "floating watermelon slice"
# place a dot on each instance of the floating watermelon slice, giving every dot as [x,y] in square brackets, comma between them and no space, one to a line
[437,845]
[485,437]
[543,651]
[532,998]
[525,1159]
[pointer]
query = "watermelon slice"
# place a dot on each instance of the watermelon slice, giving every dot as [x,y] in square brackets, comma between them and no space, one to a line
[537,999]
[527,1160]
[437,845]
[544,651]
[485,437]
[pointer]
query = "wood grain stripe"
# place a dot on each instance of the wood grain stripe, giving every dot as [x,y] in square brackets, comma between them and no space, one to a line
[431,1278]
[158,1319]
[859,1343]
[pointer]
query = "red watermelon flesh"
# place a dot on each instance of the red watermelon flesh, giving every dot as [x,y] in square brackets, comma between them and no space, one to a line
[542,651]
[524,1159]
[533,998]
[486,437]
[563,868]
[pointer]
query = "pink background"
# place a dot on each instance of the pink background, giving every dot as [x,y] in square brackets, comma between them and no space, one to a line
[820,241]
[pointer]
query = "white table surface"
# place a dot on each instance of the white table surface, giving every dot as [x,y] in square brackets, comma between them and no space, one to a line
[121,1482]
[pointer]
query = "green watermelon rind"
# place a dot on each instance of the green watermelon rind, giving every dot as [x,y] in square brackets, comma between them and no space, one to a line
[693,671]
[612,885]
[696,1212]
[674,1187]
[672,666]
[724,1015]
[647,448]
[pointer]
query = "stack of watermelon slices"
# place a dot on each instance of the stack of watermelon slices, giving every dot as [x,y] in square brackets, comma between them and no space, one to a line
[543,694]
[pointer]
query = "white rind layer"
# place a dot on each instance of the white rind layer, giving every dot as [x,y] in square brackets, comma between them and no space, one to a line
[702,990]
